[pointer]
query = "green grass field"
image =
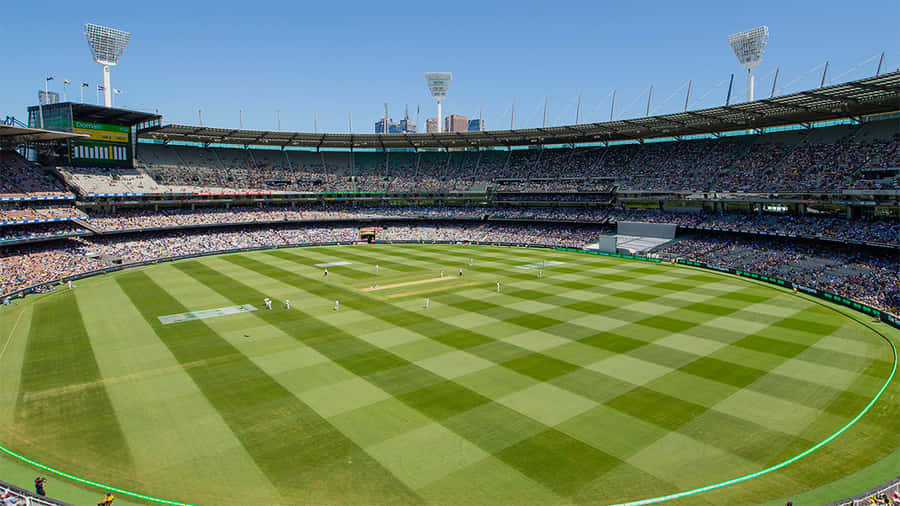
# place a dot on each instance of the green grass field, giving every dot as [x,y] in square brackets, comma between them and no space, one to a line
[605,381]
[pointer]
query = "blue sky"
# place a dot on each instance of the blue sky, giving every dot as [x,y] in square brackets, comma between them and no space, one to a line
[303,57]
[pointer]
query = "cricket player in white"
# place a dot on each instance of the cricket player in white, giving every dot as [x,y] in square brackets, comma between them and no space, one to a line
[268,302]
[470,261]
[287,303]
[498,287]
[376,267]
[337,305]
[69,284]
[442,272]
[326,272]
[540,274]
[427,302]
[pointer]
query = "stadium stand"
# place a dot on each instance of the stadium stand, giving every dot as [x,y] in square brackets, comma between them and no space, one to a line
[830,227]
[866,275]
[814,160]
[858,273]
[21,179]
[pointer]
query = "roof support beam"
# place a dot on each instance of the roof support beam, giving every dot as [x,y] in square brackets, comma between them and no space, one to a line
[744,111]
[778,103]
[825,96]
[873,87]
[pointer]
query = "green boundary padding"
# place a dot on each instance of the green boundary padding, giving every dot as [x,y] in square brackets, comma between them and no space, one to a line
[640,502]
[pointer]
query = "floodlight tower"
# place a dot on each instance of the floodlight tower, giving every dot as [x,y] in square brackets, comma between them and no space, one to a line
[438,84]
[106,45]
[749,47]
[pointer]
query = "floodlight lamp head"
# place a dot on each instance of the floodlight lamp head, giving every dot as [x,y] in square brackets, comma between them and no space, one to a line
[750,45]
[106,43]
[438,84]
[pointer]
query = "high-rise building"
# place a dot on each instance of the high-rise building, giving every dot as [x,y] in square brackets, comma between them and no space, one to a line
[392,128]
[431,125]
[476,125]
[455,123]
[407,126]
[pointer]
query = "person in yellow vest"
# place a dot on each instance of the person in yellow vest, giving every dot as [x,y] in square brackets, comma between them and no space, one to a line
[107,501]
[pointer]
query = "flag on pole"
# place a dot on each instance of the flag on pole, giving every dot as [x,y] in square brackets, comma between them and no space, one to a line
[85,85]
[49,78]
[100,87]
[117,91]
[66,81]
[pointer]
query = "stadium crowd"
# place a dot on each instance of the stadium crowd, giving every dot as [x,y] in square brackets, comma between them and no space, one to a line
[854,273]
[17,212]
[38,231]
[823,159]
[813,225]
[865,276]
[19,179]
[42,263]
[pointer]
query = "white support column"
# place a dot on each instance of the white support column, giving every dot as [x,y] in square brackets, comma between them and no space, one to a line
[440,120]
[107,89]
[750,82]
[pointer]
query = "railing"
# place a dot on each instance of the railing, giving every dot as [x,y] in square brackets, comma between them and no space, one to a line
[886,489]
[27,497]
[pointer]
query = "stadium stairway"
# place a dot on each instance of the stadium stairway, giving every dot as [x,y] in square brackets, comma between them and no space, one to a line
[88,225]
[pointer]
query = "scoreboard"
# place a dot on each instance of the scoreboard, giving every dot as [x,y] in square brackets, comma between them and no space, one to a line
[104,145]
[107,135]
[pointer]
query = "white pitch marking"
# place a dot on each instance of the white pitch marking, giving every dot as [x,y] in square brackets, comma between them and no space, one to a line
[540,265]
[8,339]
[333,264]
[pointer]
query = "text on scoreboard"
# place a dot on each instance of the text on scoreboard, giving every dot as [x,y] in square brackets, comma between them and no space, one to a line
[102,132]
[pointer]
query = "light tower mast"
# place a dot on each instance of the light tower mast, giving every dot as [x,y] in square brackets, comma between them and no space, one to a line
[438,84]
[106,45]
[749,47]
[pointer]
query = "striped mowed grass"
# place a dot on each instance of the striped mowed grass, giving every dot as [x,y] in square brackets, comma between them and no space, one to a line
[603,381]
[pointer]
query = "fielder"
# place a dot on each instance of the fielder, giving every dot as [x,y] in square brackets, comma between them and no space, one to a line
[460,272]
[427,301]
[498,287]
[326,272]
[287,303]
[442,272]
[337,305]
[540,274]
[268,302]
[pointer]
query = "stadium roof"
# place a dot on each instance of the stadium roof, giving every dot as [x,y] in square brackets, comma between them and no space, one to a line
[873,95]
[14,135]
[100,114]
